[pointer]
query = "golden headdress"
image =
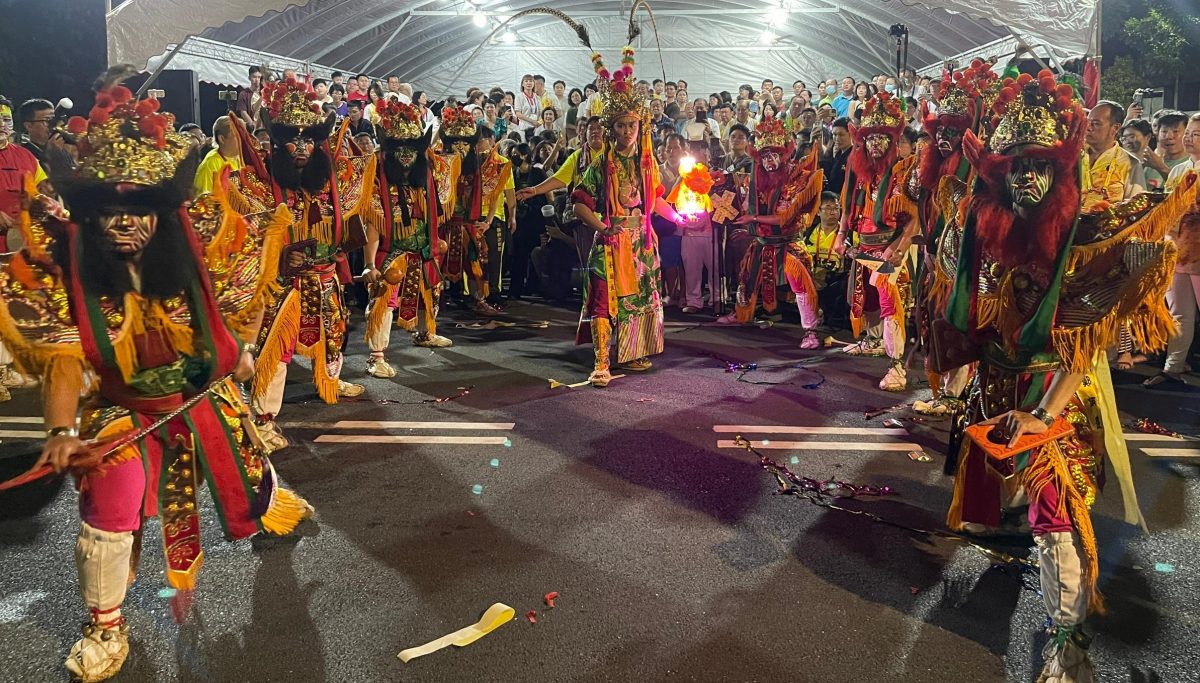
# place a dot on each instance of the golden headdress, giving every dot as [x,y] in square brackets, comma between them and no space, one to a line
[1039,112]
[399,121]
[882,114]
[618,91]
[126,141]
[457,122]
[292,103]
[771,133]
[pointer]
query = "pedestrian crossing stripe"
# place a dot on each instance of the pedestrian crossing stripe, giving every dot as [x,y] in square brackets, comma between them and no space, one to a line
[17,432]
[850,444]
[383,425]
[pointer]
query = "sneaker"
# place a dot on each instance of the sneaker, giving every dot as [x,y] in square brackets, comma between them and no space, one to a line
[432,341]
[637,365]
[938,407]
[484,308]
[600,378]
[896,379]
[379,367]
[868,346]
[273,439]
[691,309]
[349,390]
[99,654]
[810,342]
[5,395]
[1066,657]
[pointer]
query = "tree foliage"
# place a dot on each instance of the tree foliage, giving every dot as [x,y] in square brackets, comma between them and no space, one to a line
[1119,80]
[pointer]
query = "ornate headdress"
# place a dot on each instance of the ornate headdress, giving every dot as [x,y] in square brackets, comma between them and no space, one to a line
[618,90]
[399,121]
[882,114]
[771,133]
[126,141]
[1039,112]
[292,103]
[457,123]
[960,97]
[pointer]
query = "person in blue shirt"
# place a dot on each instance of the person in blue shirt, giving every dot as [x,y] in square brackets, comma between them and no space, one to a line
[841,103]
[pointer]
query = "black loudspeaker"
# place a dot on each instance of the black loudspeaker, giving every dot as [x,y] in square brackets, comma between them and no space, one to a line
[182,93]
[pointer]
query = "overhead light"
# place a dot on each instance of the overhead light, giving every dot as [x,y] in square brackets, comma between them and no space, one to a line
[509,37]
[777,16]
[768,37]
[480,19]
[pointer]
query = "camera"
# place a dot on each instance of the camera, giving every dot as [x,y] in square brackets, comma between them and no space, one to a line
[1142,93]
[898,31]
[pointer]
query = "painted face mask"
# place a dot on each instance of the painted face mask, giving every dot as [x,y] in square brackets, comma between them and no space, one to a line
[877,145]
[460,148]
[300,149]
[948,140]
[770,161]
[129,233]
[405,156]
[1030,180]
[6,123]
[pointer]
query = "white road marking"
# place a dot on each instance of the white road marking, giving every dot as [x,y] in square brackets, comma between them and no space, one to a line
[389,438]
[21,420]
[21,434]
[786,429]
[1171,452]
[367,424]
[823,445]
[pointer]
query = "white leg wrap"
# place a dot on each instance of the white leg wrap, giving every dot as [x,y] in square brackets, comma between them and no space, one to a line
[382,337]
[955,381]
[5,357]
[102,558]
[273,400]
[1061,561]
[893,339]
[808,311]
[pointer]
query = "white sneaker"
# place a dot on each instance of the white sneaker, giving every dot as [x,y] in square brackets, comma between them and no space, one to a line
[432,341]
[5,395]
[11,379]
[99,655]
[379,367]
[691,309]
[349,390]
[868,346]
[1067,662]
[896,379]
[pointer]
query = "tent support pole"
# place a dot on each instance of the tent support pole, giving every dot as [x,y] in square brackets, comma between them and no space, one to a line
[367,65]
[161,66]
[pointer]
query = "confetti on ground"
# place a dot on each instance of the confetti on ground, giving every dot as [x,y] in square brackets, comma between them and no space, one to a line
[914,590]
[550,598]
[919,456]
[508,443]
[166,593]
[893,423]
[795,460]
[531,615]
[471,513]
[495,463]
[1163,567]
[477,489]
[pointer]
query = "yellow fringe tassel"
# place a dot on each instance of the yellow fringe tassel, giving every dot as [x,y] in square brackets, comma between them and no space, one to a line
[33,358]
[797,269]
[379,307]
[327,387]
[285,328]
[804,207]
[285,513]
[123,346]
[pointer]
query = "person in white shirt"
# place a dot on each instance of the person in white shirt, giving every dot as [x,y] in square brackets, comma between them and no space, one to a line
[527,106]
[561,105]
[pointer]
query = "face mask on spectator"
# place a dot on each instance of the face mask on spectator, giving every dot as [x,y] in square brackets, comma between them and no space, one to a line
[890,87]
[829,90]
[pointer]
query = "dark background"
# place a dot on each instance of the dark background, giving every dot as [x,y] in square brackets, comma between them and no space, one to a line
[51,49]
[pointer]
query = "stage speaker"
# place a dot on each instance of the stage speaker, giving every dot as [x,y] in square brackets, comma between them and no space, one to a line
[181,88]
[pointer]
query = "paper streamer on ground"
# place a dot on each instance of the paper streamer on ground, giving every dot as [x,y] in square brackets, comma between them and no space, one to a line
[495,617]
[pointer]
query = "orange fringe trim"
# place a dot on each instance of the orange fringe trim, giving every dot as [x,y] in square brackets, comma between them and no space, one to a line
[796,268]
[285,513]
[379,309]
[285,328]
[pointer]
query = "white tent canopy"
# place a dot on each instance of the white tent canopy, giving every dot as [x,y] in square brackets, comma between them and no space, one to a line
[714,45]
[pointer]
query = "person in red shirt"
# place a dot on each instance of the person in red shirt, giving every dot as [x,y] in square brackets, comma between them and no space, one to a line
[16,162]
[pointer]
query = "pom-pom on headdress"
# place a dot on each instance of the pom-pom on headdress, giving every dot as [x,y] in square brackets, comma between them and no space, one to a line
[771,134]
[882,114]
[126,141]
[961,97]
[292,103]
[1039,112]
[399,121]
[618,90]
[457,122]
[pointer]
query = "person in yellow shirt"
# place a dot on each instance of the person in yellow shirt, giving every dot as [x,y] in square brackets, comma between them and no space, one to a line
[228,154]
[829,267]
[1113,174]
[499,194]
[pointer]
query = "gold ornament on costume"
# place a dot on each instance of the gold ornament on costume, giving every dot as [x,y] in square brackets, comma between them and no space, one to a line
[618,91]
[292,103]
[399,121]
[127,141]
[1032,111]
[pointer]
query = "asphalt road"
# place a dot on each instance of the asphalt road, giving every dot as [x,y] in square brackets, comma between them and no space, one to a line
[673,558]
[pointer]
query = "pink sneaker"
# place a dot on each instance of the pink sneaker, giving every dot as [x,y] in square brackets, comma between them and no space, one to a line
[810,341]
